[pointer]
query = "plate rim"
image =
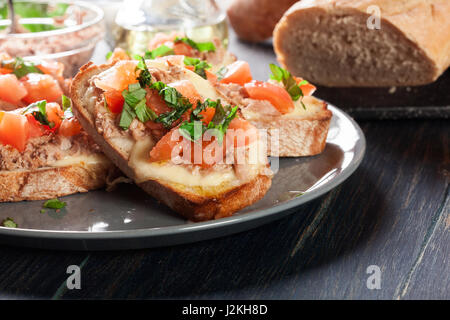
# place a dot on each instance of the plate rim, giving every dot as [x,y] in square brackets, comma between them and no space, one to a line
[188,228]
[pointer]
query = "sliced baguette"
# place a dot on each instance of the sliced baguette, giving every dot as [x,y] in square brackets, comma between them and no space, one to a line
[297,134]
[197,203]
[52,182]
[329,42]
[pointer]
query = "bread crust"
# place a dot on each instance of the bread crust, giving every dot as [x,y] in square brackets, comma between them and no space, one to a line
[427,47]
[296,137]
[258,25]
[52,182]
[189,205]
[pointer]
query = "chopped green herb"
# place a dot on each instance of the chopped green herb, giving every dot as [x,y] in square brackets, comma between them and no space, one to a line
[173,99]
[67,107]
[126,117]
[221,120]
[143,112]
[20,67]
[291,86]
[192,130]
[66,102]
[108,55]
[161,51]
[200,46]
[9,223]
[38,110]
[54,204]
[43,211]
[199,65]
[134,94]
[145,77]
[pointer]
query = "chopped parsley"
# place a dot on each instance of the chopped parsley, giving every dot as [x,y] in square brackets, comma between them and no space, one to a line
[54,204]
[161,51]
[199,65]
[9,223]
[20,68]
[200,46]
[108,55]
[38,111]
[291,86]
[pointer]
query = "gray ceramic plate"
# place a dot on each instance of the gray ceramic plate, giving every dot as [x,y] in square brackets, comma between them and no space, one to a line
[127,218]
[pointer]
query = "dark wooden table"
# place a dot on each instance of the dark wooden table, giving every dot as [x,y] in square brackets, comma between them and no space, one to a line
[392,213]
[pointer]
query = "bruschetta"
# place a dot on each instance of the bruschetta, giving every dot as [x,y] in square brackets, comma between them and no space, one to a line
[177,44]
[167,128]
[44,153]
[23,82]
[296,122]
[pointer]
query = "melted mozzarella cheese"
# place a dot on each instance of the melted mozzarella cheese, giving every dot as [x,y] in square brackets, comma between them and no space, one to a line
[145,170]
[80,160]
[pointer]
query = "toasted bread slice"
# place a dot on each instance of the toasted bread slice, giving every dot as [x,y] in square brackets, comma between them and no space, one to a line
[195,196]
[51,182]
[297,134]
[47,166]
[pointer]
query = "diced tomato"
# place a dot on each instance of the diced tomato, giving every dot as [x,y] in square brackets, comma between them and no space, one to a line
[163,150]
[54,114]
[11,89]
[187,90]
[53,68]
[35,129]
[241,131]
[276,95]
[114,101]
[155,102]
[118,77]
[14,130]
[211,77]
[118,54]
[5,71]
[181,48]
[307,89]
[237,72]
[69,127]
[41,87]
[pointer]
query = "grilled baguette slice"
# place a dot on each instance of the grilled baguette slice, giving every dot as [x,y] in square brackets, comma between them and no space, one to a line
[297,134]
[52,182]
[329,42]
[194,202]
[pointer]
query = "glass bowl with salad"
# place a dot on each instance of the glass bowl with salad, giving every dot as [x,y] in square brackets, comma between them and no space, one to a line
[64,31]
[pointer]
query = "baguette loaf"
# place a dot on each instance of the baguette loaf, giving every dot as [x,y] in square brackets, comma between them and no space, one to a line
[329,42]
[254,20]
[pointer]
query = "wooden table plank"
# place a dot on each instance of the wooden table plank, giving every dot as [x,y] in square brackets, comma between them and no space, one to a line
[380,216]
